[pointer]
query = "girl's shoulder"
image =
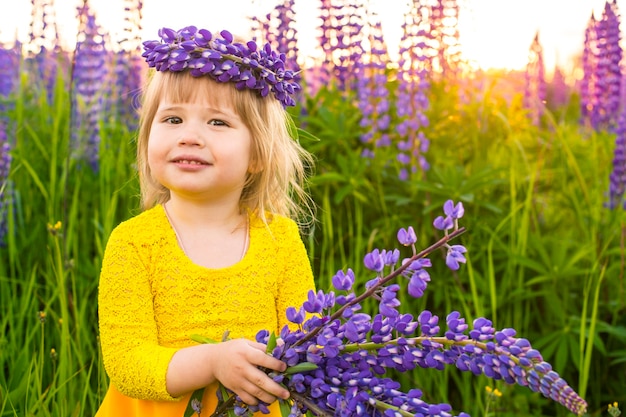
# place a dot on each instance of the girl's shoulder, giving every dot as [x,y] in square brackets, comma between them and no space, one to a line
[276,223]
[143,226]
[278,228]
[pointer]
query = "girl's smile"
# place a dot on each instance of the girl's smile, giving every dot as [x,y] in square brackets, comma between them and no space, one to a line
[187,162]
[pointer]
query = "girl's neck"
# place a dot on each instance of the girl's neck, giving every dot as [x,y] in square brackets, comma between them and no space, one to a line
[203,215]
[213,237]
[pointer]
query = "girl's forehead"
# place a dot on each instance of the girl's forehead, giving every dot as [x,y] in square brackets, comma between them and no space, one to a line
[198,89]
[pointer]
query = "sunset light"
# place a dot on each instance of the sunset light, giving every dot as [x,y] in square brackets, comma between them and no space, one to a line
[493,33]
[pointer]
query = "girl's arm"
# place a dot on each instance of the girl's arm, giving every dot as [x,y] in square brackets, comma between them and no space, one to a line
[134,360]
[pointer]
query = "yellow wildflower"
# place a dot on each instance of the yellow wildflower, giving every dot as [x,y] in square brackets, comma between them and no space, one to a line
[493,391]
[54,228]
[614,410]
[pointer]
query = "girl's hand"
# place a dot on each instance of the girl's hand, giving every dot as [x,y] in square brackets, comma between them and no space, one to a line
[235,365]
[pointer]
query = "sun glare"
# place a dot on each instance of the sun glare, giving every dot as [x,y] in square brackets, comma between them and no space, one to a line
[492,33]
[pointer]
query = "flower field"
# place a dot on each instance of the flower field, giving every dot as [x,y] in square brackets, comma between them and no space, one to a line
[537,158]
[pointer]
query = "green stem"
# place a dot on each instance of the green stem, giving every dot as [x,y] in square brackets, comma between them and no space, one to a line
[384,406]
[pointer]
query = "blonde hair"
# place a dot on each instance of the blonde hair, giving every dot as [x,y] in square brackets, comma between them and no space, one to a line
[279,166]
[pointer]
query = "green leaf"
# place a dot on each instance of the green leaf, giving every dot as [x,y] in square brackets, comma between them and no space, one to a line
[197,395]
[619,355]
[226,395]
[305,134]
[285,408]
[202,339]
[298,133]
[271,343]
[292,128]
[301,367]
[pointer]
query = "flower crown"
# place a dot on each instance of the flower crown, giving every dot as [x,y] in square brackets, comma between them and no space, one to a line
[259,69]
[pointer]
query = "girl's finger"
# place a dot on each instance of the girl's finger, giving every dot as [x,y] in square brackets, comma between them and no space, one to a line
[257,393]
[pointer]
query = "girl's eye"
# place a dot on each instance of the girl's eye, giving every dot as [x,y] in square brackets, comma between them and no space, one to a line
[173,120]
[217,122]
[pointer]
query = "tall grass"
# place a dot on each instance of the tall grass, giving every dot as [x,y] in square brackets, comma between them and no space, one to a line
[62,216]
[545,255]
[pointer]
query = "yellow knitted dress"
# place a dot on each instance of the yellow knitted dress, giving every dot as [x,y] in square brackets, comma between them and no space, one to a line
[152,297]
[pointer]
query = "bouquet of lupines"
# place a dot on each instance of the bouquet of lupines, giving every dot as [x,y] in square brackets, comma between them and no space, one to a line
[338,357]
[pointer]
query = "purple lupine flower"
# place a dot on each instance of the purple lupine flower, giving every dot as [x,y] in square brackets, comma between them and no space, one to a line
[407,236]
[45,56]
[390,257]
[374,261]
[320,74]
[587,84]
[5,155]
[601,84]
[418,282]
[9,67]
[296,316]
[341,43]
[127,72]
[282,34]
[609,72]
[372,92]
[455,211]
[429,323]
[482,329]
[617,178]
[389,301]
[452,215]
[535,82]
[559,89]
[88,76]
[343,281]
[5,185]
[455,256]
[456,327]
[444,36]
[412,101]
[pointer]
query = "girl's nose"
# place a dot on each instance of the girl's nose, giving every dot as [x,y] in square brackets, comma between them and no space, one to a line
[190,137]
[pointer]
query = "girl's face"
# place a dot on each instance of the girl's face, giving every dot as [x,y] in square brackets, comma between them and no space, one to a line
[199,150]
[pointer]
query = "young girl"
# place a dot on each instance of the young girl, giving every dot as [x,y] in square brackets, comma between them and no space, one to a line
[215,251]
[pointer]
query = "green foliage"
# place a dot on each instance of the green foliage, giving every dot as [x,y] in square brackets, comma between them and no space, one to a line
[545,256]
[57,230]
